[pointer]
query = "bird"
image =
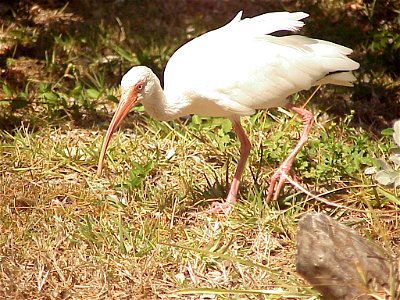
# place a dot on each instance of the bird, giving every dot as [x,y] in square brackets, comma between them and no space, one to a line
[233,71]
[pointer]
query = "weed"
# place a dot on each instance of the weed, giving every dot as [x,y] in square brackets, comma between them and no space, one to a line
[386,174]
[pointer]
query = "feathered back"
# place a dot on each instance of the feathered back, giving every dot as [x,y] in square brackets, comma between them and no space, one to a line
[239,67]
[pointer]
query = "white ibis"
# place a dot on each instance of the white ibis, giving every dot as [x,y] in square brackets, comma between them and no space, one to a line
[233,71]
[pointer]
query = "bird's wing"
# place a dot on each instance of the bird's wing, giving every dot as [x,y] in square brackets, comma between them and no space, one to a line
[239,68]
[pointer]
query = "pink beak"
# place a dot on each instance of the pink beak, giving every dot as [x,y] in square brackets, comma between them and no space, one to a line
[128,100]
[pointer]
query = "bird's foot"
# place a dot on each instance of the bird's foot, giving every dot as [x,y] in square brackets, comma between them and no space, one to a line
[221,208]
[278,180]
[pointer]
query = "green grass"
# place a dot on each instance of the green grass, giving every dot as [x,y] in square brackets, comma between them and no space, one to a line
[132,231]
[135,232]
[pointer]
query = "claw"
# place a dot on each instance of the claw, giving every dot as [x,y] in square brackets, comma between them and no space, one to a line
[219,208]
[277,181]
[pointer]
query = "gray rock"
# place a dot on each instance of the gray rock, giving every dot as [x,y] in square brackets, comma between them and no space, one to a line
[340,263]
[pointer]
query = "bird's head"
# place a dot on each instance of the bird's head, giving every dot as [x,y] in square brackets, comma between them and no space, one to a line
[136,86]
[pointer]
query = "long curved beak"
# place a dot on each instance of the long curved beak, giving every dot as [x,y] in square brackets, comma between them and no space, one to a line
[128,100]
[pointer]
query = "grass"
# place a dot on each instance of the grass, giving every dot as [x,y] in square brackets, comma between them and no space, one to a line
[131,232]
[134,233]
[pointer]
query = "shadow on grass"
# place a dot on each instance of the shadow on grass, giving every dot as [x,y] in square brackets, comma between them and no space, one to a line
[49,31]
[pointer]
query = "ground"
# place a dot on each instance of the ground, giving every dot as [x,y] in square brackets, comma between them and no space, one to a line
[135,233]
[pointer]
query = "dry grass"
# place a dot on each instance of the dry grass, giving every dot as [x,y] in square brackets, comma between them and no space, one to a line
[134,233]
[66,233]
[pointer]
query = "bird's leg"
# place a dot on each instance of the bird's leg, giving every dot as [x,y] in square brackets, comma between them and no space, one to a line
[245,148]
[277,180]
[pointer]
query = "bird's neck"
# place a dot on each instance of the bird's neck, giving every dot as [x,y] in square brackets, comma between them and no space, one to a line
[163,107]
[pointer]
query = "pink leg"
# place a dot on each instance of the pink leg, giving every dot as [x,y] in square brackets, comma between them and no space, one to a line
[277,181]
[245,148]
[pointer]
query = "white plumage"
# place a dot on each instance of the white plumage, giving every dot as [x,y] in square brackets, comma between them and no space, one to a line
[234,70]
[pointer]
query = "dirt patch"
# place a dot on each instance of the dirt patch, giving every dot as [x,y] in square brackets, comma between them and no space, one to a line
[54,20]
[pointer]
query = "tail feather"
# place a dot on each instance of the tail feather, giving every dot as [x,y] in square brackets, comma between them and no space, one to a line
[267,23]
[340,78]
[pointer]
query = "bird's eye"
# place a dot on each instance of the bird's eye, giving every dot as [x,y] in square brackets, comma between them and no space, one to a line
[139,87]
